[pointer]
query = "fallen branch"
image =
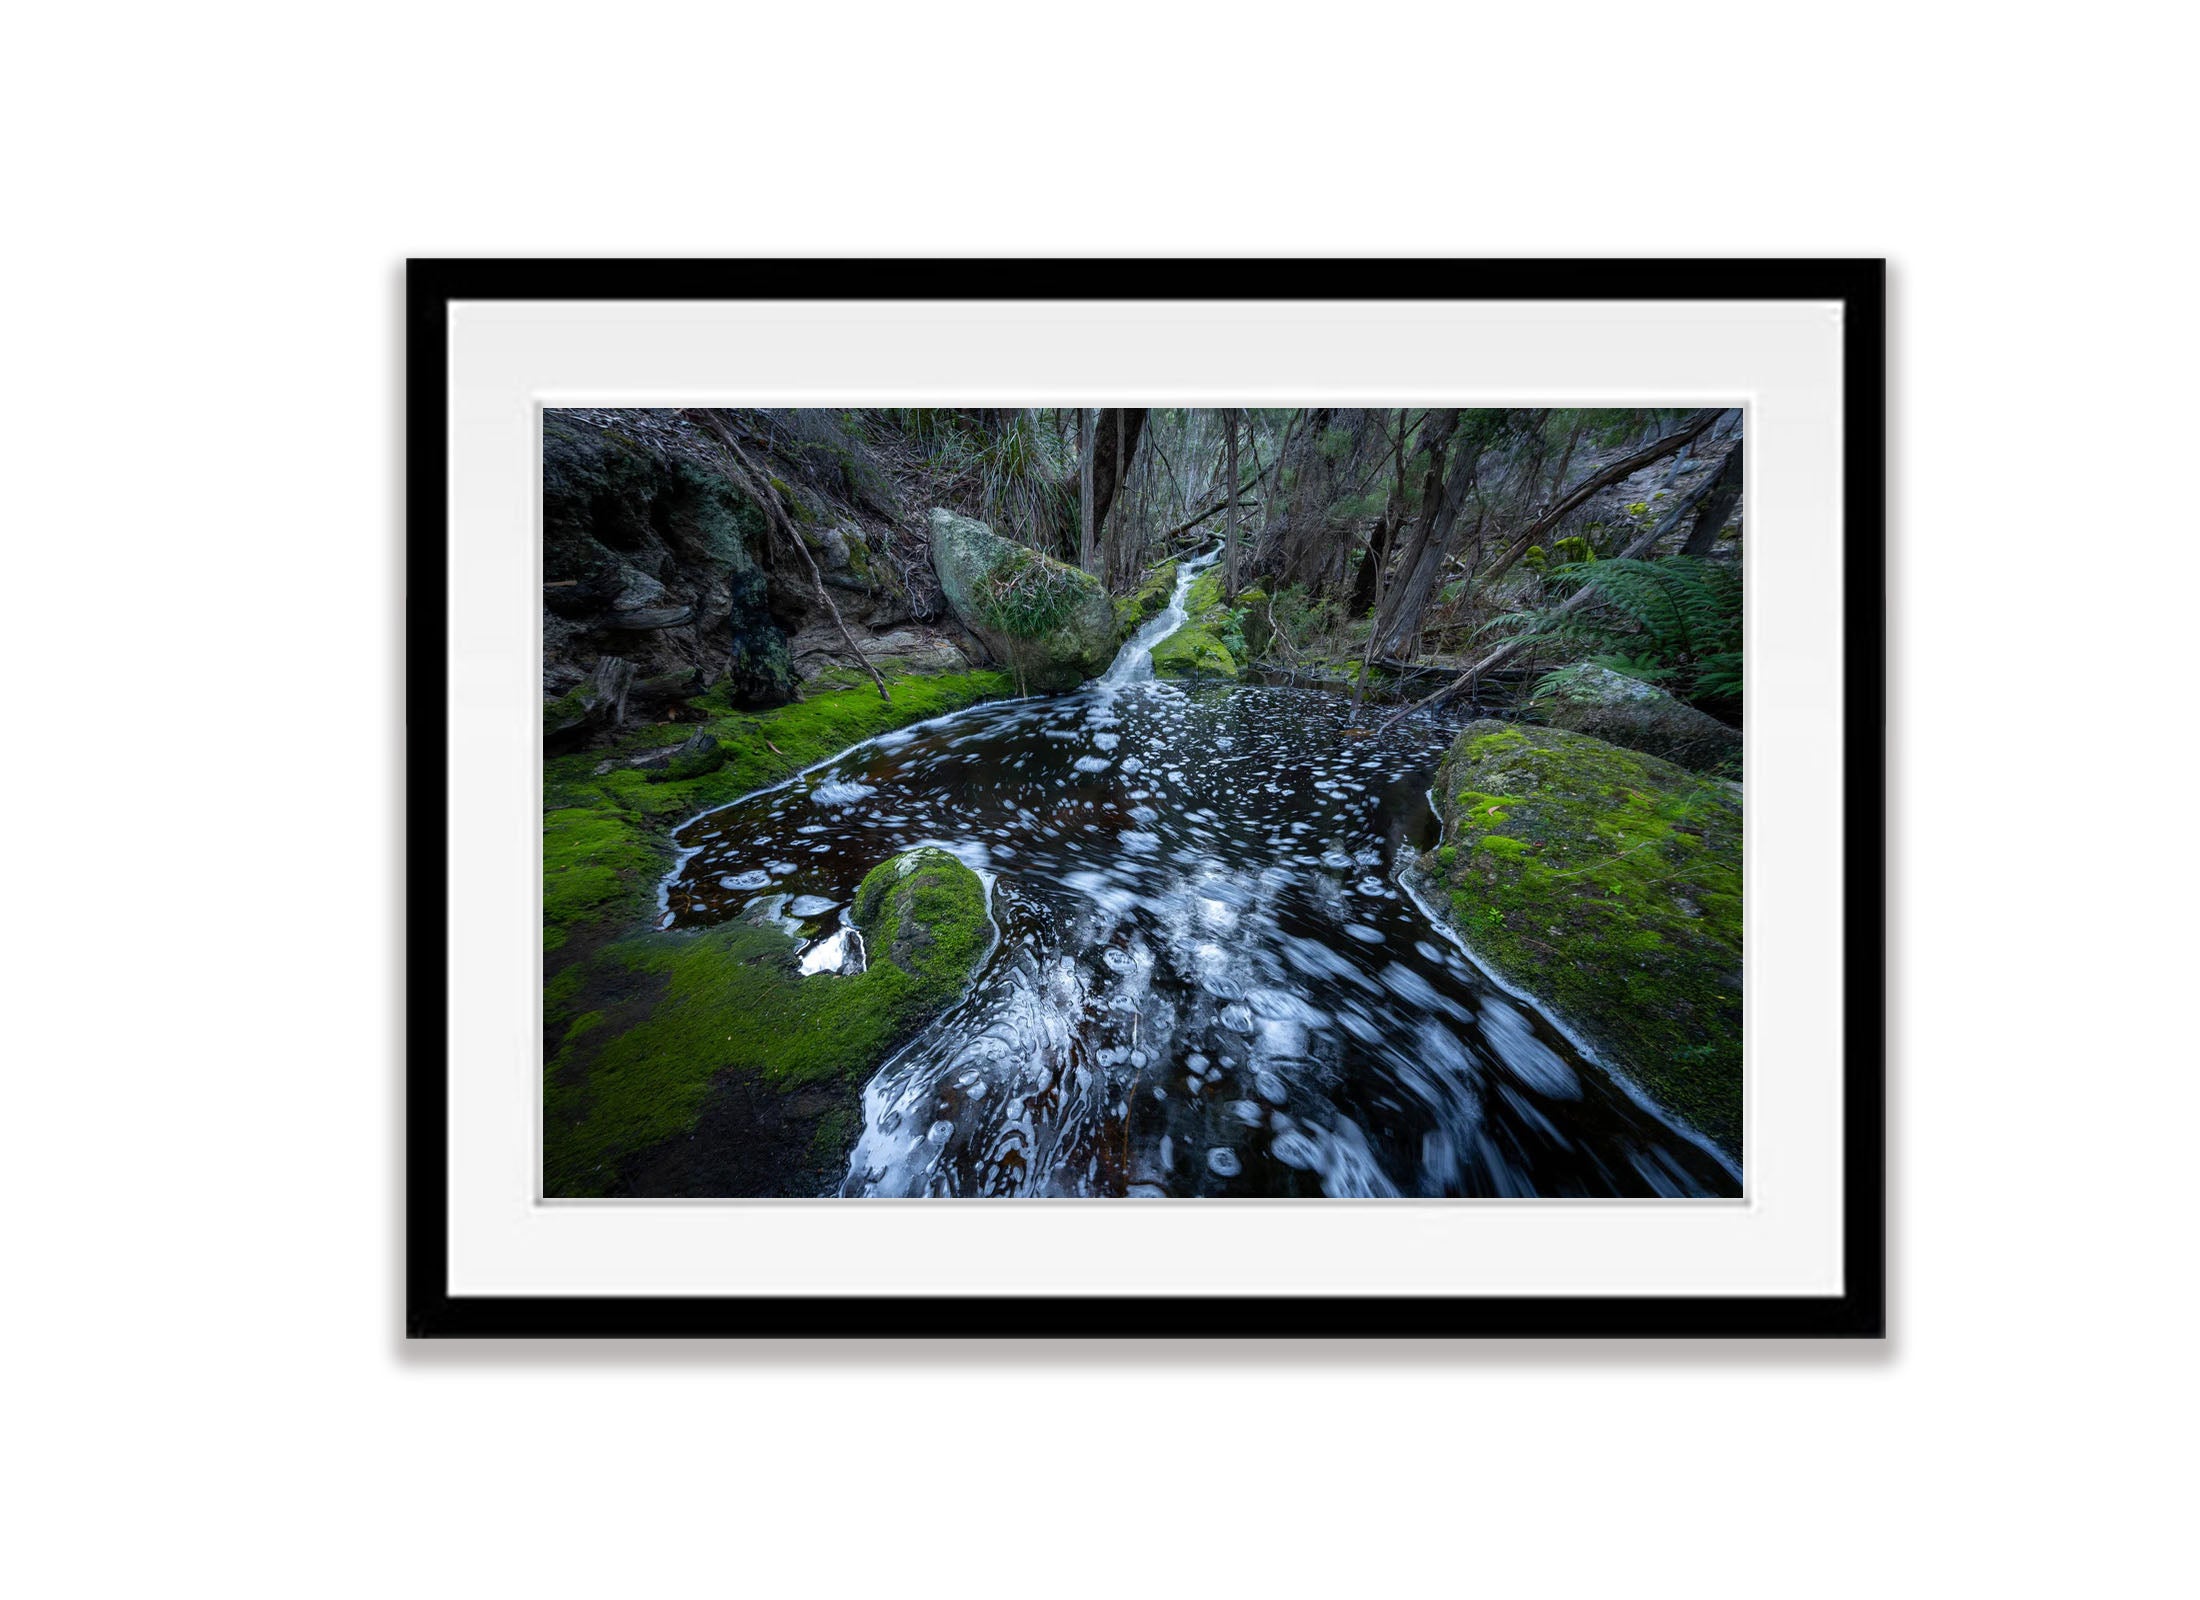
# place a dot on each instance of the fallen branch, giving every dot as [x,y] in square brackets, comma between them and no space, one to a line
[1188,526]
[1656,450]
[758,487]
[1580,596]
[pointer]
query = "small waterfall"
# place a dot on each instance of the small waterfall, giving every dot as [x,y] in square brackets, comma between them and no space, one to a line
[1135,660]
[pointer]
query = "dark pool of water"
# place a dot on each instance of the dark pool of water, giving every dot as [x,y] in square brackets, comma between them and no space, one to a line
[1208,982]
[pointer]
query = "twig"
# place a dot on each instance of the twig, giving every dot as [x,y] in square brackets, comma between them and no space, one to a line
[760,489]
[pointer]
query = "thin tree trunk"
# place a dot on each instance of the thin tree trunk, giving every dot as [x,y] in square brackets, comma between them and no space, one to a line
[1379,554]
[1399,617]
[1230,515]
[1566,456]
[1367,582]
[758,487]
[1718,505]
[1087,437]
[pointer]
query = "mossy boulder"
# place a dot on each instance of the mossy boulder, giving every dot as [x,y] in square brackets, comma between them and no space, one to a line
[1626,711]
[923,913]
[661,1029]
[1193,652]
[1608,884]
[1052,625]
[700,756]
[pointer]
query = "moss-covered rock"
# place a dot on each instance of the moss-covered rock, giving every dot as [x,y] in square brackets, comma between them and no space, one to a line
[699,757]
[660,1023]
[1211,643]
[1608,884]
[1193,652]
[1053,625]
[1626,711]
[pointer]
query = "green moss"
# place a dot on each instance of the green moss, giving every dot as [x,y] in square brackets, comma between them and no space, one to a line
[564,711]
[1192,651]
[699,763]
[1609,884]
[676,1010]
[604,833]
[594,864]
[1147,601]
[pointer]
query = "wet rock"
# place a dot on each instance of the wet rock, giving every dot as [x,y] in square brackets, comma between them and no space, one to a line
[1625,711]
[1051,624]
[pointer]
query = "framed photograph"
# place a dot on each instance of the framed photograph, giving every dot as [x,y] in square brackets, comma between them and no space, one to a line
[1379,761]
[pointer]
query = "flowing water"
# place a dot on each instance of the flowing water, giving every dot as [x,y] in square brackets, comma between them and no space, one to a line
[1209,980]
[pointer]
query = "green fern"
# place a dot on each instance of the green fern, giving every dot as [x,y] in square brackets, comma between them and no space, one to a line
[1677,619]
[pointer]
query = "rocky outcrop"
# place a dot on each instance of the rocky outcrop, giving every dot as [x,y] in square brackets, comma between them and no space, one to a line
[1626,711]
[1608,884]
[652,557]
[1051,625]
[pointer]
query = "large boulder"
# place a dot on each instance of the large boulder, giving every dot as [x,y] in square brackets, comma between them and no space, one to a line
[1626,711]
[1052,625]
[1608,884]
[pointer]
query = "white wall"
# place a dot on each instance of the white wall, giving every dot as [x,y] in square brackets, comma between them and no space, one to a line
[208,207]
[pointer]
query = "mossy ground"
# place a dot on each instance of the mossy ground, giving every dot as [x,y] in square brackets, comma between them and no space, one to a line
[667,1014]
[1609,884]
[1212,641]
[629,1013]
[605,834]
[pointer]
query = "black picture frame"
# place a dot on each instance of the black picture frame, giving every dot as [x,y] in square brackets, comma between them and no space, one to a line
[431,1311]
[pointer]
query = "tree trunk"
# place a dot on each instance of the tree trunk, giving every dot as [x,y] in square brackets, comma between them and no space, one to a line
[1114,443]
[1580,597]
[1085,435]
[1423,559]
[1114,447]
[1718,506]
[1367,582]
[1230,515]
